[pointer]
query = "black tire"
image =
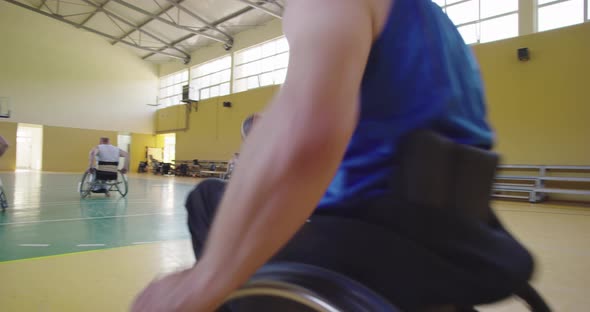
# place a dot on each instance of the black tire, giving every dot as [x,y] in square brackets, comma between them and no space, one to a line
[86,184]
[309,287]
[122,184]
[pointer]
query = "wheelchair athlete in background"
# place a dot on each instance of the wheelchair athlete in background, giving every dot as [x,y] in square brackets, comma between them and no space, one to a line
[103,175]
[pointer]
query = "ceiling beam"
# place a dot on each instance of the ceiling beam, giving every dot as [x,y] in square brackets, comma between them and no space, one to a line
[215,23]
[126,22]
[165,21]
[145,22]
[200,19]
[64,20]
[98,8]
[262,8]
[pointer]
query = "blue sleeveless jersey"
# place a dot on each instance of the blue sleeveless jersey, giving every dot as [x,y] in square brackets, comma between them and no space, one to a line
[420,74]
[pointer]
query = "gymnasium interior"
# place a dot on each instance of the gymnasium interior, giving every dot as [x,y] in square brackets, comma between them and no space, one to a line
[170,82]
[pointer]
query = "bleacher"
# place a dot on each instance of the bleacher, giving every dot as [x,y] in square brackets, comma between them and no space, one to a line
[535,182]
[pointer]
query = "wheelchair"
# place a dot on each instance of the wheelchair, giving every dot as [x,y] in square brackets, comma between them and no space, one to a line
[296,281]
[3,199]
[104,179]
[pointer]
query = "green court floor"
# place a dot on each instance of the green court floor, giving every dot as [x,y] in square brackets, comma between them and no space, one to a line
[47,217]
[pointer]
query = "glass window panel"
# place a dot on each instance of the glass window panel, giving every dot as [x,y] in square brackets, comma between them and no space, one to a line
[253,54]
[215,78]
[239,58]
[225,75]
[193,94]
[540,2]
[469,33]
[454,1]
[269,49]
[491,8]
[205,81]
[241,85]
[226,62]
[177,78]
[282,60]
[282,45]
[499,28]
[266,79]
[267,64]
[253,82]
[170,90]
[185,75]
[214,91]
[224,89]
[240,71]
[561,14]
[163,93]
[439,2]
[280,76]
[205,93]
[464,12]
[178,89]
[194,72]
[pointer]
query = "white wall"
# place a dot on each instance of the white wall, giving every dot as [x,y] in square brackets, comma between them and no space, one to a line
[242,40]
[61,76]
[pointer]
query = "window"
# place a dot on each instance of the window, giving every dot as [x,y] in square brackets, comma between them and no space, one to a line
[211,79]
[261,65]
[560,13]
[482,20]
[171,88]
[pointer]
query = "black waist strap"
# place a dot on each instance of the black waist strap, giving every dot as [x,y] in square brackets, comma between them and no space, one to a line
[436,172]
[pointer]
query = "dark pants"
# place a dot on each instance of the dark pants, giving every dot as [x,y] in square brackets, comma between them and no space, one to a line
[431,240]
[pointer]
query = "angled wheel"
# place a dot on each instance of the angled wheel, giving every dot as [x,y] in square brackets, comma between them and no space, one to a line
[122,184]
[85,186]
[299,287]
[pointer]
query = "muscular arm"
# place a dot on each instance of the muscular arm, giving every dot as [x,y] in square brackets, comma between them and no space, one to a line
[92,158]
[293,153]
[123,153]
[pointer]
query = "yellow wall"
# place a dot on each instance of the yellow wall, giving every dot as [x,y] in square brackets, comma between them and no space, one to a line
[540,109]
[8,131]
[67,149]
[171,118]
[57,75]
[139,142]
[214,130]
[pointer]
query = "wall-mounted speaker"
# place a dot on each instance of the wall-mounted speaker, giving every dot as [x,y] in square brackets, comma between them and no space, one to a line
[226,104]
[523,54]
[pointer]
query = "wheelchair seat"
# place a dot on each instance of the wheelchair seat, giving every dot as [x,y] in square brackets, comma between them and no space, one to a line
[107,171]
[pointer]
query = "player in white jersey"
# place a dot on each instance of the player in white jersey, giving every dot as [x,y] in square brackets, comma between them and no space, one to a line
[106,154]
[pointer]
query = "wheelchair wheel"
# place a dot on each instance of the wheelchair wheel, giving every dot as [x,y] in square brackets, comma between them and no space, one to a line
[122,184]
[3,199]
[86,184]
[301,287]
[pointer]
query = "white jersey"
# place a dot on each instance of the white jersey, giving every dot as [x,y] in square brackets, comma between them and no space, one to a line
[107,152]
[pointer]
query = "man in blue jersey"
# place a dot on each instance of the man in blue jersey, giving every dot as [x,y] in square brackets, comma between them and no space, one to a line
[363,75]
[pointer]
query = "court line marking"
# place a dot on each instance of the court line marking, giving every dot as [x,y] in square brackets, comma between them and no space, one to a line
[143,243]
[94,218]
[85,252]
[90,245]
[34,245]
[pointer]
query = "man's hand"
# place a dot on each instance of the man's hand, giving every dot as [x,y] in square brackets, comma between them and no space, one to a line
[91,170]
[173,293]
[124,170]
